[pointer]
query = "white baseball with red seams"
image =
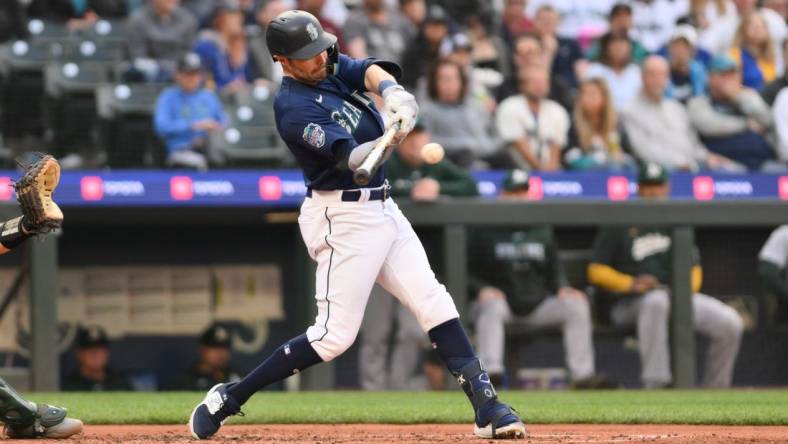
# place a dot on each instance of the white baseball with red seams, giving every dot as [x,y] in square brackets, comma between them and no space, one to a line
[356,244]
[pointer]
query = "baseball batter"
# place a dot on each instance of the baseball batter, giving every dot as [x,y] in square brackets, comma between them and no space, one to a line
[24,419]
[357,236]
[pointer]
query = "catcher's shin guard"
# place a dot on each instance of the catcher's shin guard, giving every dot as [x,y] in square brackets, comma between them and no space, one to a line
[24,419]
[15,410]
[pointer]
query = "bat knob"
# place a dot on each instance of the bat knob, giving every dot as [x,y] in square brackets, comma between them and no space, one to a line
[362,177]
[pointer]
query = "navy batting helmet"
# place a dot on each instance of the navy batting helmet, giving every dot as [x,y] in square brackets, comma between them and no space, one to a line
[297,35]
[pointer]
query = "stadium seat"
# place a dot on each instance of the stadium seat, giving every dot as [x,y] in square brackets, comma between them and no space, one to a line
[47,30]
[22,64]
[125,114]
[112,31]
[241,146]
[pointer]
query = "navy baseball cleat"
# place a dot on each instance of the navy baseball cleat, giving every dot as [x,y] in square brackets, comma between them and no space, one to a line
[211,413]
[501,422]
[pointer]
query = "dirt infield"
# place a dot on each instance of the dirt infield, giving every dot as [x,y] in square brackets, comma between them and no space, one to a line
[441,433]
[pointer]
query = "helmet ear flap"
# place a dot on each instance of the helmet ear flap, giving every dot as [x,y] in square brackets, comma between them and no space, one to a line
[332,65]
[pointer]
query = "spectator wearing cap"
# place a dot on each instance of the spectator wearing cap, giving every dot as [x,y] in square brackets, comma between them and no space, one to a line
[754,51]
[733,120]
[596,140]
[620,25]
[489,53]
[659,129]
[93,373]
[185,114]
[161,32]
[78,14]
[223,49]
[688,77]
[563,54]
[412,176]
[432,43]
[616,67]
[376,30]
[482,81]
[534,127]
[214,365]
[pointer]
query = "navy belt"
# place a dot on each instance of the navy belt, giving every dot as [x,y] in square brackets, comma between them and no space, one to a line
[382,193]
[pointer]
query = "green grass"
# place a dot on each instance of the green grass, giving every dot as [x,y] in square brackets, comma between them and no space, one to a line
[755,407]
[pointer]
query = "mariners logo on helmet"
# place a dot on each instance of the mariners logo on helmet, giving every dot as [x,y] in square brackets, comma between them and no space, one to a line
[312,31]
[314,135]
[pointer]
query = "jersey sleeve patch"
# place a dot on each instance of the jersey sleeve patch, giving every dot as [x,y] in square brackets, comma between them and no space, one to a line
[314,135]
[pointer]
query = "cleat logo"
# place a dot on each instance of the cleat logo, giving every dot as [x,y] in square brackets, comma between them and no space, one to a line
[488,393]
[461,379]
[214,402]
[485,378]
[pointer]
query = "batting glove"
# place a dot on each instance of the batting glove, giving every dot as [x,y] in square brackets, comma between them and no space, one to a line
[400,106]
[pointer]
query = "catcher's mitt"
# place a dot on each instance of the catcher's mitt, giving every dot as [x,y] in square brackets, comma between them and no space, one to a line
[34,193]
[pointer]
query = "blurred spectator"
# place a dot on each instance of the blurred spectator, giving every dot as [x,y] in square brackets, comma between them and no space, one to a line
[688,77]
[214,364]
[315,7]
[772,261]
[517,278]
[581,20]
[702,13]
[462,125]
[515,22]
[375,30]
[481,80]
[564,54]
[185,114]
[535,127]
[780,116]
[770,91]
[78,14]
[595,140]
[202,10]
[13,20]
[778,6]
[489,53]
[633,265]
[412,176]
[721,34]
[223,49]
[653,21]
[264,65]
[431,44]
[616,67]
[413,10]
[529,51]
[161,32]
[620,24]
[733,120]
[93,374]
[754,51]
[659,129]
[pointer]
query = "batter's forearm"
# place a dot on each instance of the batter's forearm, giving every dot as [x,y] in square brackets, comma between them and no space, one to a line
[374,76]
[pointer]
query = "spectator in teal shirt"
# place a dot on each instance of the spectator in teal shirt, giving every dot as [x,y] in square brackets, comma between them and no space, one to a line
[186,114]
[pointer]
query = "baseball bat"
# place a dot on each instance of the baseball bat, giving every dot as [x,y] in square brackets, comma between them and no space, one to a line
[371,163]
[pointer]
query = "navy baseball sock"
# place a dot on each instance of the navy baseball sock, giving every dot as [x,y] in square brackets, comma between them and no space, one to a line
[455,349]
[292,357]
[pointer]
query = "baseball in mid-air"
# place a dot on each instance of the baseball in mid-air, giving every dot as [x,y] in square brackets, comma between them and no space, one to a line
[432,153]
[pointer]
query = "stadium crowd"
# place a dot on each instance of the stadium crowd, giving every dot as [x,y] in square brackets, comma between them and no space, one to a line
[539,85]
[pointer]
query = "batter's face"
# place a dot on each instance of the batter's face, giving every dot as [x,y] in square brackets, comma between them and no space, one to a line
[310,71]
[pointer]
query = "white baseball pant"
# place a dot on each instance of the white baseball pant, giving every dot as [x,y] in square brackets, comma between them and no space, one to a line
[356,244]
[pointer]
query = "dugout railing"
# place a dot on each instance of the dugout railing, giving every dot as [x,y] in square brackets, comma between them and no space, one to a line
[454,217]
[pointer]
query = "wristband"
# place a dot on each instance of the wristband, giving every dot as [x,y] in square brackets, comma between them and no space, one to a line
[386,84]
